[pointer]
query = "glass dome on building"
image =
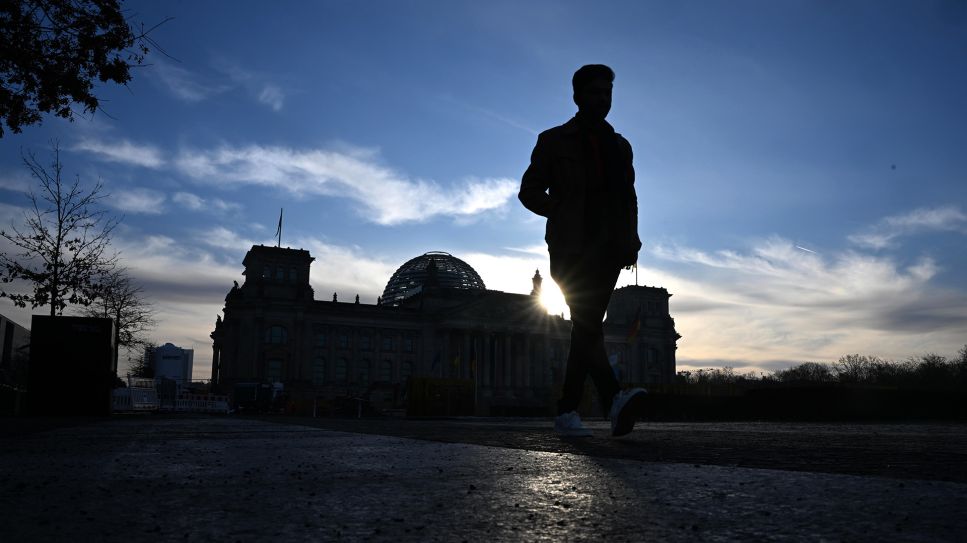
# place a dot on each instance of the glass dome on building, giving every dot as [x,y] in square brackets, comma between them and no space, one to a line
[449,271]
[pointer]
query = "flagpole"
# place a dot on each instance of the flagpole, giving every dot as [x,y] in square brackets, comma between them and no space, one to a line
[279,231]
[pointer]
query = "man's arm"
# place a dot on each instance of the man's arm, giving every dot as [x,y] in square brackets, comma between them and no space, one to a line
[537,180]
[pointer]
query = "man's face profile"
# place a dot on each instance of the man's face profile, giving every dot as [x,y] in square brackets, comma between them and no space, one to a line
[594,99]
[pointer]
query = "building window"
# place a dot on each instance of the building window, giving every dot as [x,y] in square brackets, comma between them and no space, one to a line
[406,369]
[266,272]
[275,335]
[319,370]
[279,273]
[320,339]
[341,368]
[292,274]
[362,373]
[387,344]
[386,371]
[364,342]
[273,370]
[343,339]
[408,344]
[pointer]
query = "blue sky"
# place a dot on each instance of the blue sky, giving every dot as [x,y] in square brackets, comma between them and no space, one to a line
[802,178]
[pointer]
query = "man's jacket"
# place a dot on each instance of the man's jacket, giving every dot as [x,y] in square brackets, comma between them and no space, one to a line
[556,186]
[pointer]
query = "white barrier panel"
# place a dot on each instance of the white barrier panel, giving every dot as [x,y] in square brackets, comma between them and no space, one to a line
[201,403]
[134,399]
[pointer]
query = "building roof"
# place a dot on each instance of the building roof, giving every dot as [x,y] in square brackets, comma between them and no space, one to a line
[435,268]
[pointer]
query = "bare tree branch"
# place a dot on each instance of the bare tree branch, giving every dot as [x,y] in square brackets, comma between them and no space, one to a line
[62,249]
[121,299]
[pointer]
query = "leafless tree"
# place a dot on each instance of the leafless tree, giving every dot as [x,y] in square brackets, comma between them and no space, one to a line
[142,362]
[121,299]
[807,372]
[855,368]
[63,246]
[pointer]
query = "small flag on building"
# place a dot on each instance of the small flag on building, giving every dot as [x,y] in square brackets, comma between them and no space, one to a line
[278,231]
[635,326]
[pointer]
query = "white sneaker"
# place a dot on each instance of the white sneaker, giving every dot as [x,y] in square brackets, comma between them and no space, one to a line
[625,410]
[569,425]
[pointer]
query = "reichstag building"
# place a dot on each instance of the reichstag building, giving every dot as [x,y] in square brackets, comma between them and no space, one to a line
[436,321]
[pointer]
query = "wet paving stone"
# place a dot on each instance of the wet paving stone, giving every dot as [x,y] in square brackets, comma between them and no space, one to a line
[233,479]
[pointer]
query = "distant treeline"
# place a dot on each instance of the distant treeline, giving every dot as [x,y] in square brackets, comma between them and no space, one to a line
[856,387]
[926,371]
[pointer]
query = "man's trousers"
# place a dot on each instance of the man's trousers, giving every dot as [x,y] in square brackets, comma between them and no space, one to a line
[587,281]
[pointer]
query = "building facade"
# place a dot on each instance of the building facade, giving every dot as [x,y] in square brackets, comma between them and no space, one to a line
[175,363]
[436,320]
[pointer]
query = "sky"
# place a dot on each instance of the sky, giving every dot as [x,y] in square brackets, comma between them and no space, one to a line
[801,166]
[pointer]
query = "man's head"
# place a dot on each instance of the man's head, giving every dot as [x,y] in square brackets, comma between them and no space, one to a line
[592,90]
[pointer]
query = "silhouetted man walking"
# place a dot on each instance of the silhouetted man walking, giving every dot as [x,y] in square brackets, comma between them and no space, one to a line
[581,178]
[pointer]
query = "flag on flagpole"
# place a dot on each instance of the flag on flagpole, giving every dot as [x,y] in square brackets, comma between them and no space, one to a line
[278,231]
[635,326]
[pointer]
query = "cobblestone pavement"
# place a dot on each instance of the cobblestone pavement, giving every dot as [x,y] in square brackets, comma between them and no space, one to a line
[235,479]
[935,451]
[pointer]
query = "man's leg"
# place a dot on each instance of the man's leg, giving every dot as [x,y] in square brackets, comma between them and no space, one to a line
[603,278]
[587,284]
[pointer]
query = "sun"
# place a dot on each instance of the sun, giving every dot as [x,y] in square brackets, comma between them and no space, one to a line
[553,300]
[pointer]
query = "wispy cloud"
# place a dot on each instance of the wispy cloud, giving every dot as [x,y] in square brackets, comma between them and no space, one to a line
[186,285]
[382,194]
[347,270]
[478,111]
[16,182]
[197,203]
[538,250]
[256,84]
[139,200]
[885,232]
[224,238]
[272,96]
[122,151]
[186,85]
[189,200]
[774,301]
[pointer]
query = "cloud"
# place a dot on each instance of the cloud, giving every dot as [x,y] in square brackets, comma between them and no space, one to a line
[139,200]
[189,200]
[346,270]
[186,85]
[122,151]
[486,113]
[885,232]
[186,285]
[272,96]
[382,195]
[194,87]
[539,249]
[224,238]
[774,302]
[254,83]
[197,203]
[16,182]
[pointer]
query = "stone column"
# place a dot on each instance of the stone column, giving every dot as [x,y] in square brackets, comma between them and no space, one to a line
[528,361]
[465,356]
[216,350]
[509,360]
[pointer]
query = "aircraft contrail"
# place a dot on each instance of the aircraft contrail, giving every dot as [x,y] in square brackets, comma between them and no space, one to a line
[807,250]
